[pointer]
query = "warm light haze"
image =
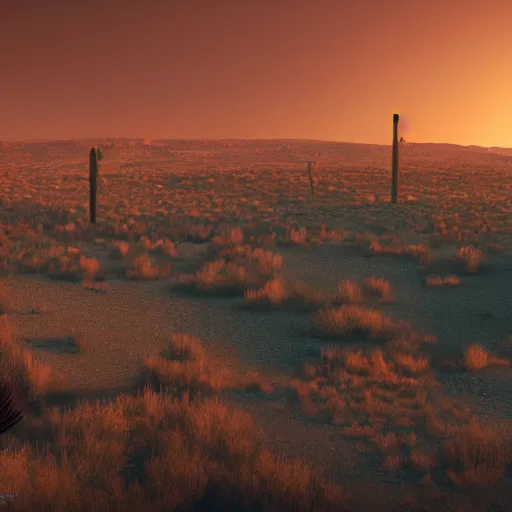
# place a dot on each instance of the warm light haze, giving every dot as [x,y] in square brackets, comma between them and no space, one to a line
[256,256]
[323,70]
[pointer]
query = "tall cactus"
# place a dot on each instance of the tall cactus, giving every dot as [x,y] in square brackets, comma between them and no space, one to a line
[94,156]
[311,181]
[394,175]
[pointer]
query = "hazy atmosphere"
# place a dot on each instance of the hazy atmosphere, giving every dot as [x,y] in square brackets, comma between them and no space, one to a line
[255,256]
[323,70]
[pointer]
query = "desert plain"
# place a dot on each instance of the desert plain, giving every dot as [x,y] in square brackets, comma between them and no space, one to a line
[229,336]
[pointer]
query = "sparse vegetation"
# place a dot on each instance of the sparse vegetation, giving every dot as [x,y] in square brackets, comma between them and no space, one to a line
[356,321]
[273,292]
[471,257]
[477,455]
[291,295]
[33,377]
[119,249]
[476,357]
[142,267]
[175,443]
[438,281]
[240,268]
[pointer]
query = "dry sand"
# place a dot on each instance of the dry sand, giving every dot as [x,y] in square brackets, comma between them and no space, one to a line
[134,319]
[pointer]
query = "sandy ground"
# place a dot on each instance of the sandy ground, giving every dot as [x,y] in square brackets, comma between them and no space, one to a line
[134,319]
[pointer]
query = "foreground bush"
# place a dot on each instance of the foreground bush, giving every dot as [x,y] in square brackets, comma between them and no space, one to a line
[153,452]
[33,377]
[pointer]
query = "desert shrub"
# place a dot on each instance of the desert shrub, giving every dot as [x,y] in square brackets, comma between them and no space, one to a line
[33,377]
[273,293]
[378,287]
[471,257]
[348,291]
[352,320]
[477,455]
[476,357]
[183,455]
[142,267]
[239,268]
[119,249]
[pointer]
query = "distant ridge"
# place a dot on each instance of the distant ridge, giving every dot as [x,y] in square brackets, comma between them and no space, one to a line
[241,141]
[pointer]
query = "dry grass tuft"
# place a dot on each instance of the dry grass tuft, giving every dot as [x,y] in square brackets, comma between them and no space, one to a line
[476,357]
[90,267]
[348,291]
[452,280]
[34,377]
[356,321]
[366,386]
[379,288]
[374,247]
[411,365]
[142,267]
[221,454]
[300,236]
[372,288]
[165,247]
[119,249]
[272,293]
[471,257]
[229,236]
[184,367]
[241,268]
[438,281]
[184,347]
[255,260]
[477,455]
[215,276]
[279,293]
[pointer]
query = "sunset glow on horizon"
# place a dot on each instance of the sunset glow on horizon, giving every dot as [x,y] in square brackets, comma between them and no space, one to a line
[322,70]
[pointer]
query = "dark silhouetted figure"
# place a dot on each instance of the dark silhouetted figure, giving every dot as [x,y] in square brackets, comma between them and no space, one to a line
[401,139]
[10,411]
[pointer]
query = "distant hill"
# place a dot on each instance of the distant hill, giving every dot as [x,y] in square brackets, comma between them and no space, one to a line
[501,151]
[122,141]
[261,150]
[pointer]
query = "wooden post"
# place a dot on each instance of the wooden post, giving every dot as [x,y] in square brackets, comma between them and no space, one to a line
[394,172]
[311,184]
[93,175]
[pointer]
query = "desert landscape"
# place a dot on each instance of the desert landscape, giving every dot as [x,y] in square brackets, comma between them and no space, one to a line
[230,336]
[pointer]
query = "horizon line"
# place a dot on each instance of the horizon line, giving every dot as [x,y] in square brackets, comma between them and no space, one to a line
[227,139]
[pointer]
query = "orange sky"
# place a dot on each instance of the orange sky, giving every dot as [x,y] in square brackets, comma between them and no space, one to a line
[315,69]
